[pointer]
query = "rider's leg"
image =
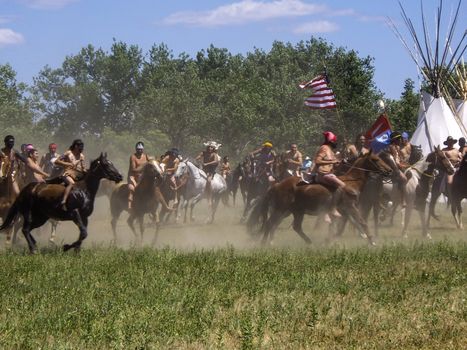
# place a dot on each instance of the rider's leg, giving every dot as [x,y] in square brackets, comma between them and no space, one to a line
[69,186]
[449,179]
[333,180]
[131,191]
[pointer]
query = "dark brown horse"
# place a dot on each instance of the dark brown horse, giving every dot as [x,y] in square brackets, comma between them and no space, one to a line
[146,200]
[459,192]
[38,202]
[288,197]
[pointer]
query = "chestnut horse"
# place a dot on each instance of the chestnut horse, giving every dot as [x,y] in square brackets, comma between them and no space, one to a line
[38,202]
[146,199]
[290,197]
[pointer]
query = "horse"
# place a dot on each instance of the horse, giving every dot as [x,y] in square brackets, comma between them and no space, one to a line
[257,185]
[146,199]
[418,186]
[239,181]
[195,188]
[291,197]
[371,196]
[38,202]
[459,192]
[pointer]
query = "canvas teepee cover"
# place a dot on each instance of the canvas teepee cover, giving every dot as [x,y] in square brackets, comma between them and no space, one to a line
[435,123]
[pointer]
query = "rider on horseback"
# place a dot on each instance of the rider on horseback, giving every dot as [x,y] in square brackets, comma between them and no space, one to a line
[171,162]
[355,151]
[47,162]
[75,169]
[454,157]
[265,157]
[294,160]
[398,177]
[34,173]
[225,167]
[406,147]
[210,160]
[137,162]
[324,162]
[9,164]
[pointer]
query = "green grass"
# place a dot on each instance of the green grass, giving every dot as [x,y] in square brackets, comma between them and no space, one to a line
[403,296]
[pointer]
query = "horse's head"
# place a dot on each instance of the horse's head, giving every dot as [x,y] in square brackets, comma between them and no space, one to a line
[182,168]
[387,159]
[441,161]
[150,171]
[374,163]
[416,154]
[103,168]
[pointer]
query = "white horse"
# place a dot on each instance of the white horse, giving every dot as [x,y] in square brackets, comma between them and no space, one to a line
[195,188]
[417,188]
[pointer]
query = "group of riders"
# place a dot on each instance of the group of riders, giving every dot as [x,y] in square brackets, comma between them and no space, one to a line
[23,167]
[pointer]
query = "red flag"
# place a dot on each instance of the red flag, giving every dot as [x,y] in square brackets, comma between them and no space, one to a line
[380,126]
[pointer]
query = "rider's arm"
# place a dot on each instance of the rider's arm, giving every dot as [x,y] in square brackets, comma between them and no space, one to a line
[255,152]
[62,161]
[34,167]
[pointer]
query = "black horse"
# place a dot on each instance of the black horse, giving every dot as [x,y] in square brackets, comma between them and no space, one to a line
[38,202]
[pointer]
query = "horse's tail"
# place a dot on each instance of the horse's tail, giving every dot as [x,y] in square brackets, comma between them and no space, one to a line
[11,216]
[259,213]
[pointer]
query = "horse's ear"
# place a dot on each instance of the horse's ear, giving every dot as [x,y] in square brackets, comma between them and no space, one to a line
[437,148]
[101,155]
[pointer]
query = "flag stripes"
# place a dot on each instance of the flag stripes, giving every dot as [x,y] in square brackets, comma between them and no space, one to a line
[322,96]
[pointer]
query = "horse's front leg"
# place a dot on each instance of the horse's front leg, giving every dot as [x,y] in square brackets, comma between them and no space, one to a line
[297,225]
[27,233]
[407,216]
[193,203]
[82,223]
[359,222]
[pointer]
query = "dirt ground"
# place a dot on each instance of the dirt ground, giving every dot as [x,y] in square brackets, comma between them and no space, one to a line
[226,231]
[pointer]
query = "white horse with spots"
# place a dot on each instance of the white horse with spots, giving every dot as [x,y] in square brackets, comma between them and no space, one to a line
[196,186]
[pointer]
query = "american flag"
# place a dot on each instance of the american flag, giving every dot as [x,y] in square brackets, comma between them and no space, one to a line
[322,96]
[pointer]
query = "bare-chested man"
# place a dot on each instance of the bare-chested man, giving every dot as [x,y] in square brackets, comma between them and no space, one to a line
[398,176]
[405,147]
[453,155]
[294,160]
[210,160]
[355,151]
[73,162]
[137,161]
[324,162]
[171,162]
[34,173]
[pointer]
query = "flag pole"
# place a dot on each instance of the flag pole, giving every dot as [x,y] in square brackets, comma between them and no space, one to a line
[340,120]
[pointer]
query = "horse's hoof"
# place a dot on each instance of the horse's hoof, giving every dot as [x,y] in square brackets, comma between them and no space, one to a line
[428,236]
[363,235]
[372,244]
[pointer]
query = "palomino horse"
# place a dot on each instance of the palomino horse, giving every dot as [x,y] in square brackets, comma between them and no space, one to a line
[195,188]
[459,192]
[419,185]
[146,199]
[287,197]
[38,202]
[370,198]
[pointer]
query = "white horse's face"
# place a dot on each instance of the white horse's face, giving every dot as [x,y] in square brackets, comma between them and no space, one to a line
[182,167]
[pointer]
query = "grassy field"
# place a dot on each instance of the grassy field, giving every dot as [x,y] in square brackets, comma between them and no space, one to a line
[217,290]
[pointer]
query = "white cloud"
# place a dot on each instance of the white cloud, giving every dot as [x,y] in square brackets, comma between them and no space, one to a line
[316,27]
[243,12]
[9,37]
[47,4]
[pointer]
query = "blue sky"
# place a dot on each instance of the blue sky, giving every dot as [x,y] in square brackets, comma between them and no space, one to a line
[35,33]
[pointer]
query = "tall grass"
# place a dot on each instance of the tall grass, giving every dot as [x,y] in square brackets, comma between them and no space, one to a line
[391,297]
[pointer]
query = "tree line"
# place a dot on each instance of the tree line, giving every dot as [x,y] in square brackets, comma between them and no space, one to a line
[113,98]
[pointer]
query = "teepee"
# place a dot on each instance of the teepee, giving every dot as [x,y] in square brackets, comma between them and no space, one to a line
[438,117]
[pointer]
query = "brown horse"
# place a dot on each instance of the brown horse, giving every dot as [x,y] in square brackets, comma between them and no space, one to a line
[459,192]
[38,202]
[288,197]
[146,200]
